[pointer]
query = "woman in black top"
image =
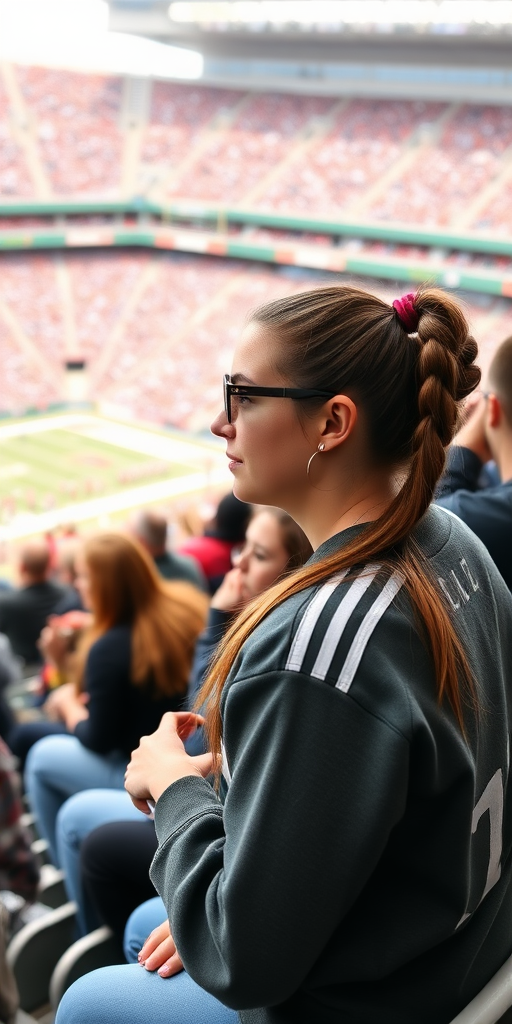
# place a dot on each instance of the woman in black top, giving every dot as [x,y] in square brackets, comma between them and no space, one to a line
[133,666]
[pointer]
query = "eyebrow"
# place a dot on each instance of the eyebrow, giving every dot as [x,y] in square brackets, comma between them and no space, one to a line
[240,378]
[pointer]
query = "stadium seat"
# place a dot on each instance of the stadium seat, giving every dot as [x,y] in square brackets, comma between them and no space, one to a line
[35,950]
[98,949]
[490,1006]
[51,890]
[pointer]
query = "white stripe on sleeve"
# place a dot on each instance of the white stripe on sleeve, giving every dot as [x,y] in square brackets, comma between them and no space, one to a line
[225,767]
[309,621]
[369,623]
[340,619]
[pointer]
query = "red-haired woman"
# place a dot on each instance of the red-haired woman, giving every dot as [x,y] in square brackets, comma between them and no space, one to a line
[134,666]
[360,866]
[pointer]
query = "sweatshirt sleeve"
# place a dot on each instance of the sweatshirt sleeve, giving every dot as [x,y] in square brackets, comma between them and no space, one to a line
[255,889]
[463,468]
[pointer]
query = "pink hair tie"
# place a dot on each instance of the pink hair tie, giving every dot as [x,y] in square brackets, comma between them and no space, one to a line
[406,312]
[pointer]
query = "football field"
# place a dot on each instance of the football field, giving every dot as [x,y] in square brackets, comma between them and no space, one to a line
[79,467]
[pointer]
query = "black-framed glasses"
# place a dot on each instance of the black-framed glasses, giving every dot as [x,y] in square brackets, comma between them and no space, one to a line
[239,390]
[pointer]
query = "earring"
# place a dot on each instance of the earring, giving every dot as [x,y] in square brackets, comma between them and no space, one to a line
[321,448]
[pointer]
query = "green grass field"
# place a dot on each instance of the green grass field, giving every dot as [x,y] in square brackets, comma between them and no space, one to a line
[57,467]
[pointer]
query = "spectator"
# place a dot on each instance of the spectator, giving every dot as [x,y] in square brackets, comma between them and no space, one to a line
[486,435]
[116,863]
[150,529]
[23,612]
[345,705]
[65,573]
[133,666]
[213,549]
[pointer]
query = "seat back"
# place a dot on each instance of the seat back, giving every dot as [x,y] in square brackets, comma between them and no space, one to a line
[492,1003]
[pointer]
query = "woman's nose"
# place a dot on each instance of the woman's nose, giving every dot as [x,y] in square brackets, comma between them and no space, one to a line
[220,426]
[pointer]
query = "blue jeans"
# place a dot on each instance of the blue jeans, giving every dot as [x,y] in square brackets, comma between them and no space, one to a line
[130,995]
[76,819]
[57,768]
[139,924]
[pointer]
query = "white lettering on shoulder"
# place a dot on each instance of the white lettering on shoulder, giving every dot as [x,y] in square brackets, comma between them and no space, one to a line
[455,590]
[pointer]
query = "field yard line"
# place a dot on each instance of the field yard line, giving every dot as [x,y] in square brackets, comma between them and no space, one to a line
[158,446]
[139,439]
[41,424]
[133,498]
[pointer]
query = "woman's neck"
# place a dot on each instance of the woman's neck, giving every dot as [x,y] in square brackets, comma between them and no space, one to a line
[327,514]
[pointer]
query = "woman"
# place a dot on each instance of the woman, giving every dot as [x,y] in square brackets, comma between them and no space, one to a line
[360,706]
[116,855]
[133,667]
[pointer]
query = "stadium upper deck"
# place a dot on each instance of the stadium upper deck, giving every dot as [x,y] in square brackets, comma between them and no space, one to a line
[65,133]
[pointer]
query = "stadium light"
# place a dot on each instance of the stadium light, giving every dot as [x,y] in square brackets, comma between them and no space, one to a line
[74,34]
[345,12]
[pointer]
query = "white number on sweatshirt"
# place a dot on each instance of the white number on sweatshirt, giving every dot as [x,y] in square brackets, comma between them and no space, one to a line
[491,800]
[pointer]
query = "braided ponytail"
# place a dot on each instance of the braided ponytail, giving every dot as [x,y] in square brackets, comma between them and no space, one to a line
[409,382]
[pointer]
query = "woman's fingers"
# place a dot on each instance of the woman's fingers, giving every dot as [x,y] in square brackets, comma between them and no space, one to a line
[159,953]
[142,805]
[154,939]
[171,966]
[186,723]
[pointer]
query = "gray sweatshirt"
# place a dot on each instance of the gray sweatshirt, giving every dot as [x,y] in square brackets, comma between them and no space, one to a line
[360,867]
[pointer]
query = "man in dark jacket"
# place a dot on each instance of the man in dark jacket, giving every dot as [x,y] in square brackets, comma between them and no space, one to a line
[24,611]
[486,435]
[150,529]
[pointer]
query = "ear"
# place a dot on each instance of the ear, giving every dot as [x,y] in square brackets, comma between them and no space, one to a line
[340,418]
[494,411]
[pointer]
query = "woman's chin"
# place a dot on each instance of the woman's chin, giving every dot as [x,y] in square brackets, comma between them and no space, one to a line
[250,493]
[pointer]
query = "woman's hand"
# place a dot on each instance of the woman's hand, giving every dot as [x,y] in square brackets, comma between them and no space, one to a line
[230,597]
[473,434]
[159,952]
[64,705]
[161,759]
[54,645]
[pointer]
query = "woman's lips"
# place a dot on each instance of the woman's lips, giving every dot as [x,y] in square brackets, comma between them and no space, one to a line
[233,461]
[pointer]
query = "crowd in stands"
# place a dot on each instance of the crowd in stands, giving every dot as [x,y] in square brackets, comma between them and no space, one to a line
[245,152]
[120,627]
[179,113]
[142,322]
[15,179]
[449,174]
[77,128]
[101,289]
[365,139]
[220,145]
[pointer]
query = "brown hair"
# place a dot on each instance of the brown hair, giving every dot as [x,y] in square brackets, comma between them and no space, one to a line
[345,340]
[293,539]
[165,617]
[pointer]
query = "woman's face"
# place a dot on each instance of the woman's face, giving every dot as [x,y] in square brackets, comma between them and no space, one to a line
[263,557]
[83,581]
[267,447]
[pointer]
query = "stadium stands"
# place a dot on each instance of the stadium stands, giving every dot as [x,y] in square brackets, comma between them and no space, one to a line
[15,179]
[179,113]
[243,154]
[145,323]
[76,126]
[381,159]
[463,161]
